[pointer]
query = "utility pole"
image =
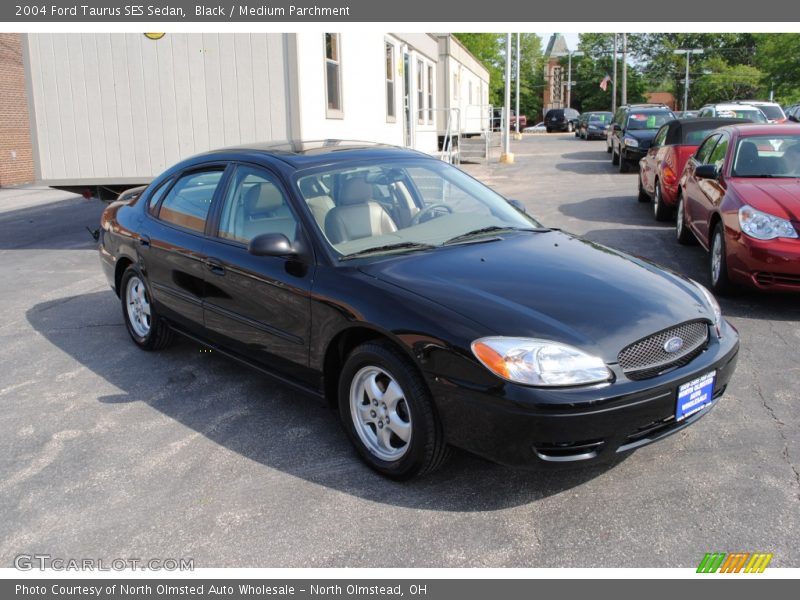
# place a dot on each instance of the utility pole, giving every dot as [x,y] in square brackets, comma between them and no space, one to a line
[517,80]
[614,80]
[506,156]
[688,52]
[624,68]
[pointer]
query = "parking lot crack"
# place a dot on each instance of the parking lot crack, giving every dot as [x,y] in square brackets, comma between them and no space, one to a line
[779,426]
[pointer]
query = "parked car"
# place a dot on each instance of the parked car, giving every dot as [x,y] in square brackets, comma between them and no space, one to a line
[538,128]
[632,130]
[592,125]
[497,120]
[771,110]
[686,114]
[740,198]
[662,166]
[428,310]
[731,110]
[561,119]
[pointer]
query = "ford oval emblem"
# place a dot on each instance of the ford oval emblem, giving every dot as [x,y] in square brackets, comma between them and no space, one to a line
[673,344]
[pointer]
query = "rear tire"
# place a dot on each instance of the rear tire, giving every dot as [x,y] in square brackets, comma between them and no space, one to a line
[144,325]
[643,195]
[388,413]
[661,211]
[718,262]
[683,234]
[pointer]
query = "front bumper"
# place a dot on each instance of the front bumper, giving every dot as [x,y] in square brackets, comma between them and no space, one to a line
[533,427]
[772,265]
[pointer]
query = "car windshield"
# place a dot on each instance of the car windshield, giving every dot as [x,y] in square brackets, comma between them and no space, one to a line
[773,112]
[754,114]
[767,156]
[652,120]
[598,118]
[404,205]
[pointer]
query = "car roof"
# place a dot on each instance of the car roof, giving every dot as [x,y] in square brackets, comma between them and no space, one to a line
[754,129]
[678,128]
[309,153]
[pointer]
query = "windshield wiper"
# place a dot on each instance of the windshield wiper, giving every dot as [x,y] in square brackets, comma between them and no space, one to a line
[483,230]
[388,248]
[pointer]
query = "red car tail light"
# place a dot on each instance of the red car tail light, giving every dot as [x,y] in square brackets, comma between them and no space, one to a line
[669,176]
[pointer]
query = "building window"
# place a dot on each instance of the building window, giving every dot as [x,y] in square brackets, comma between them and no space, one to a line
[333,75]
[390,101]
[430,94]
[420,93]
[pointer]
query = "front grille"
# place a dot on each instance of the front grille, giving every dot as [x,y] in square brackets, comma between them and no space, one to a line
[770,279]
[648,358]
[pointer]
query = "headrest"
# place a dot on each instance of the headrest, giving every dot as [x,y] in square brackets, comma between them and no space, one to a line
[355,191]
[748,152]
[263,197]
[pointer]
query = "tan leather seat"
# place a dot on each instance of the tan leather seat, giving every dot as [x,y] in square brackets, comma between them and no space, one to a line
[356,216]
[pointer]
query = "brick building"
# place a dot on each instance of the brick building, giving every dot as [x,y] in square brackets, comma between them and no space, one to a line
[16,152]
[555,76]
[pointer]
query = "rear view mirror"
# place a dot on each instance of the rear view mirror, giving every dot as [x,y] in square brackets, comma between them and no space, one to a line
[518,205]
[271,244]
[706,172]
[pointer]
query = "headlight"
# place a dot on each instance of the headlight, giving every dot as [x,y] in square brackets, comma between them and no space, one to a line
[629,141]
[763,226]
[539,362]
[712,302]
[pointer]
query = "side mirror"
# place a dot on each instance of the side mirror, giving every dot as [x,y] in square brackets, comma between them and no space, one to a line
[271,244]
[706,172]
[518,205]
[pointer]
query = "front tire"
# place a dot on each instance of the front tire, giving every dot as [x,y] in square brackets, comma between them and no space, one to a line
[146,328]
[623,163]
[614,157]
[718,262]
[388,413]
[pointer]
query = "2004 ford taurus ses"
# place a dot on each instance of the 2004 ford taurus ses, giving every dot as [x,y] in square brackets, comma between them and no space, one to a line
[427,309]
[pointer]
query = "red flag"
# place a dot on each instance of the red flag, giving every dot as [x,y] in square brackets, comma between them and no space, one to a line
[604,82]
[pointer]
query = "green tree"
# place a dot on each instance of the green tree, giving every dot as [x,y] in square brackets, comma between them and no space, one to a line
[777,55]
[720,81]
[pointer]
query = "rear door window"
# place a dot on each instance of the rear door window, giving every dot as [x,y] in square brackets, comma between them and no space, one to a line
[189,200]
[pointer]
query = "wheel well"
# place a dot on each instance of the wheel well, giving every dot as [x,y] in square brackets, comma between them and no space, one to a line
[715,218]
[336,354]
[122,264]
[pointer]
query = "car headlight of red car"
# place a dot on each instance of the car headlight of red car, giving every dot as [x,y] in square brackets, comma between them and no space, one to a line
[764,226]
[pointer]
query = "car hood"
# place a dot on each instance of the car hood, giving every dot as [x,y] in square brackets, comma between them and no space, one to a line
[779,197]
[549,285]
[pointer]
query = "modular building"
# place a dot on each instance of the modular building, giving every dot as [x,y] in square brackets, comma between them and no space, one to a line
[117,109]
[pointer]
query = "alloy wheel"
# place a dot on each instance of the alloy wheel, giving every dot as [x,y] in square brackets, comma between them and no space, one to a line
[138,306]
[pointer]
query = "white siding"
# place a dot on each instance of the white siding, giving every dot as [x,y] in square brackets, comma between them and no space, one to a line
[116,107]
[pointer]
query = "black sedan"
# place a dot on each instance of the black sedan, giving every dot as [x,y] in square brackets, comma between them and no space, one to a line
[428,310]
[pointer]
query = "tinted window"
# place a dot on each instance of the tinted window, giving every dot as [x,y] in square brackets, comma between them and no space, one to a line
[702,153]
[188,201]
[255,204]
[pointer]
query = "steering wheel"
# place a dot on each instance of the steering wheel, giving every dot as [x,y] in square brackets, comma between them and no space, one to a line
[417,218]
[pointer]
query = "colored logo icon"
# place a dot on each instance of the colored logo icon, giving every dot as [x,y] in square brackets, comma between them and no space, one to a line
[737,562]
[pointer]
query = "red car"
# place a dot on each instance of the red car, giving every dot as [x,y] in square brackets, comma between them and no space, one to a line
[661,167]
[740,198]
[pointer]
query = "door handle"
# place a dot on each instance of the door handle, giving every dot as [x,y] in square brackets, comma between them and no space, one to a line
[215,266]
[144,240]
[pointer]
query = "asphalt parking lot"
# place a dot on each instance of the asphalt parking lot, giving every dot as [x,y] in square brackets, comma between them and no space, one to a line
[110,452]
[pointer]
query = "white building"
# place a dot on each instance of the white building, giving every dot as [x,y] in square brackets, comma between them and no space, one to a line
[120,108]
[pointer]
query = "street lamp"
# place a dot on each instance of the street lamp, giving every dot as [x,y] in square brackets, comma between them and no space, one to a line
[688,53]
[569,73]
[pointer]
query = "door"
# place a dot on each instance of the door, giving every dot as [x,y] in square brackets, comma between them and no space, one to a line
[711,190]
[259,306]
[173,243]
[691,191]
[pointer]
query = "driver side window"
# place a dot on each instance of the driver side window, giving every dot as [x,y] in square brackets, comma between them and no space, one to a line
[704,151]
